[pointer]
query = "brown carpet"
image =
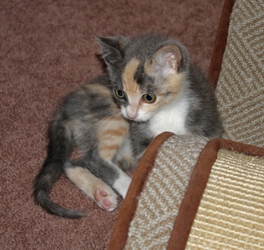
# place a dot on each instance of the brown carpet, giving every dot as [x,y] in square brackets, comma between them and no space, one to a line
[47,48]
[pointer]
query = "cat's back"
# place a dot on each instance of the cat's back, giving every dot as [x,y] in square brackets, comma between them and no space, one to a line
[203,118]
[93,97]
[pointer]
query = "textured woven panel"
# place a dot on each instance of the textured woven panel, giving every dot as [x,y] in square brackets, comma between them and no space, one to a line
[231,213]
[240,89]
[160,199]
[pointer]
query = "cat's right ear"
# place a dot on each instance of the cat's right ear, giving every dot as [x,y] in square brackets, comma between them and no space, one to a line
[112,48]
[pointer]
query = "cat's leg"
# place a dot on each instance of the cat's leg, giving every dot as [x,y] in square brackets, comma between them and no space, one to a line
[108,172]
[113,138]
[93,187]
[121,183]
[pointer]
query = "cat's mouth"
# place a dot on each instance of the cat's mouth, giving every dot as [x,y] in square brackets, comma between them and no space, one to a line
[136,118]
[135,113]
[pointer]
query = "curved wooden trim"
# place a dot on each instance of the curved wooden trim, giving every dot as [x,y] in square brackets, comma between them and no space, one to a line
[220,43]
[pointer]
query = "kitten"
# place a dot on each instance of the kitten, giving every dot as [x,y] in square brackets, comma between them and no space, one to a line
[150,87]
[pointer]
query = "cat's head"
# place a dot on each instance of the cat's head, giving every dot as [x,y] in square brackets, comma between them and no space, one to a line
[147,73]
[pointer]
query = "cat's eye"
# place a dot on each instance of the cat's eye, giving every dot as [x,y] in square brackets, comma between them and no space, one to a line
[120,94]
[149,98]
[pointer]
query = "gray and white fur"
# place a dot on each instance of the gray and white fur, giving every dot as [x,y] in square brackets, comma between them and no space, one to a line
[150,87]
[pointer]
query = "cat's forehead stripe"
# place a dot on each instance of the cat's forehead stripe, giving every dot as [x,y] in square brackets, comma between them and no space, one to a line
[128,77]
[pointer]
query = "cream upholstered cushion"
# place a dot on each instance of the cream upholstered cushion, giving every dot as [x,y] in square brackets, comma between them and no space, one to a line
[240,88]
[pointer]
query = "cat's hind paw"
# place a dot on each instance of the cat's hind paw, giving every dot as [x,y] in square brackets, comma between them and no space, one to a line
[105,199]
[96,189]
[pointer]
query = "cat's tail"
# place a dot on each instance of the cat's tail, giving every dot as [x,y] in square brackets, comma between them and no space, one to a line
[59,150]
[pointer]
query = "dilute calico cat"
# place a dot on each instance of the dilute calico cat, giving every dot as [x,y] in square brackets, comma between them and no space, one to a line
[150,87]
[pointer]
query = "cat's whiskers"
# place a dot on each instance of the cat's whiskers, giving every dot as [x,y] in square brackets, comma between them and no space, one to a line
[111,85]
[113,81]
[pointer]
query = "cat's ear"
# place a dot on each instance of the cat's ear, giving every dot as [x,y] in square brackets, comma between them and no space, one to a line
[165,61]
[112,48]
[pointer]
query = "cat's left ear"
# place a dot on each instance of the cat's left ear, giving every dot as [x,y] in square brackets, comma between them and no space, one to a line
[112,48]
[166,61]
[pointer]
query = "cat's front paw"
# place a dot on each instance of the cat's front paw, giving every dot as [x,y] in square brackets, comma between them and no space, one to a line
[105,198]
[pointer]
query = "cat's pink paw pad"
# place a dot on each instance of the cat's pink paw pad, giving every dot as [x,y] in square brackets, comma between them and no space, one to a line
[107,200]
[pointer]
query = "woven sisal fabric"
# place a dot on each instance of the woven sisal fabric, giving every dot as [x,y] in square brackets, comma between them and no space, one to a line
[161,197]
[240,90]
[231,212]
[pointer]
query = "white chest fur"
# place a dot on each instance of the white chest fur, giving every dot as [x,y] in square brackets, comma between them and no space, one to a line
[171,118]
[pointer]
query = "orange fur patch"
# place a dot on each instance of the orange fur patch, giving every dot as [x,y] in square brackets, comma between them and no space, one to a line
[130,85]
[173,83]
[112,133]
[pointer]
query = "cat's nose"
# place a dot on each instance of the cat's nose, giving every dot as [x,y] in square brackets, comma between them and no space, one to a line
[132,115]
